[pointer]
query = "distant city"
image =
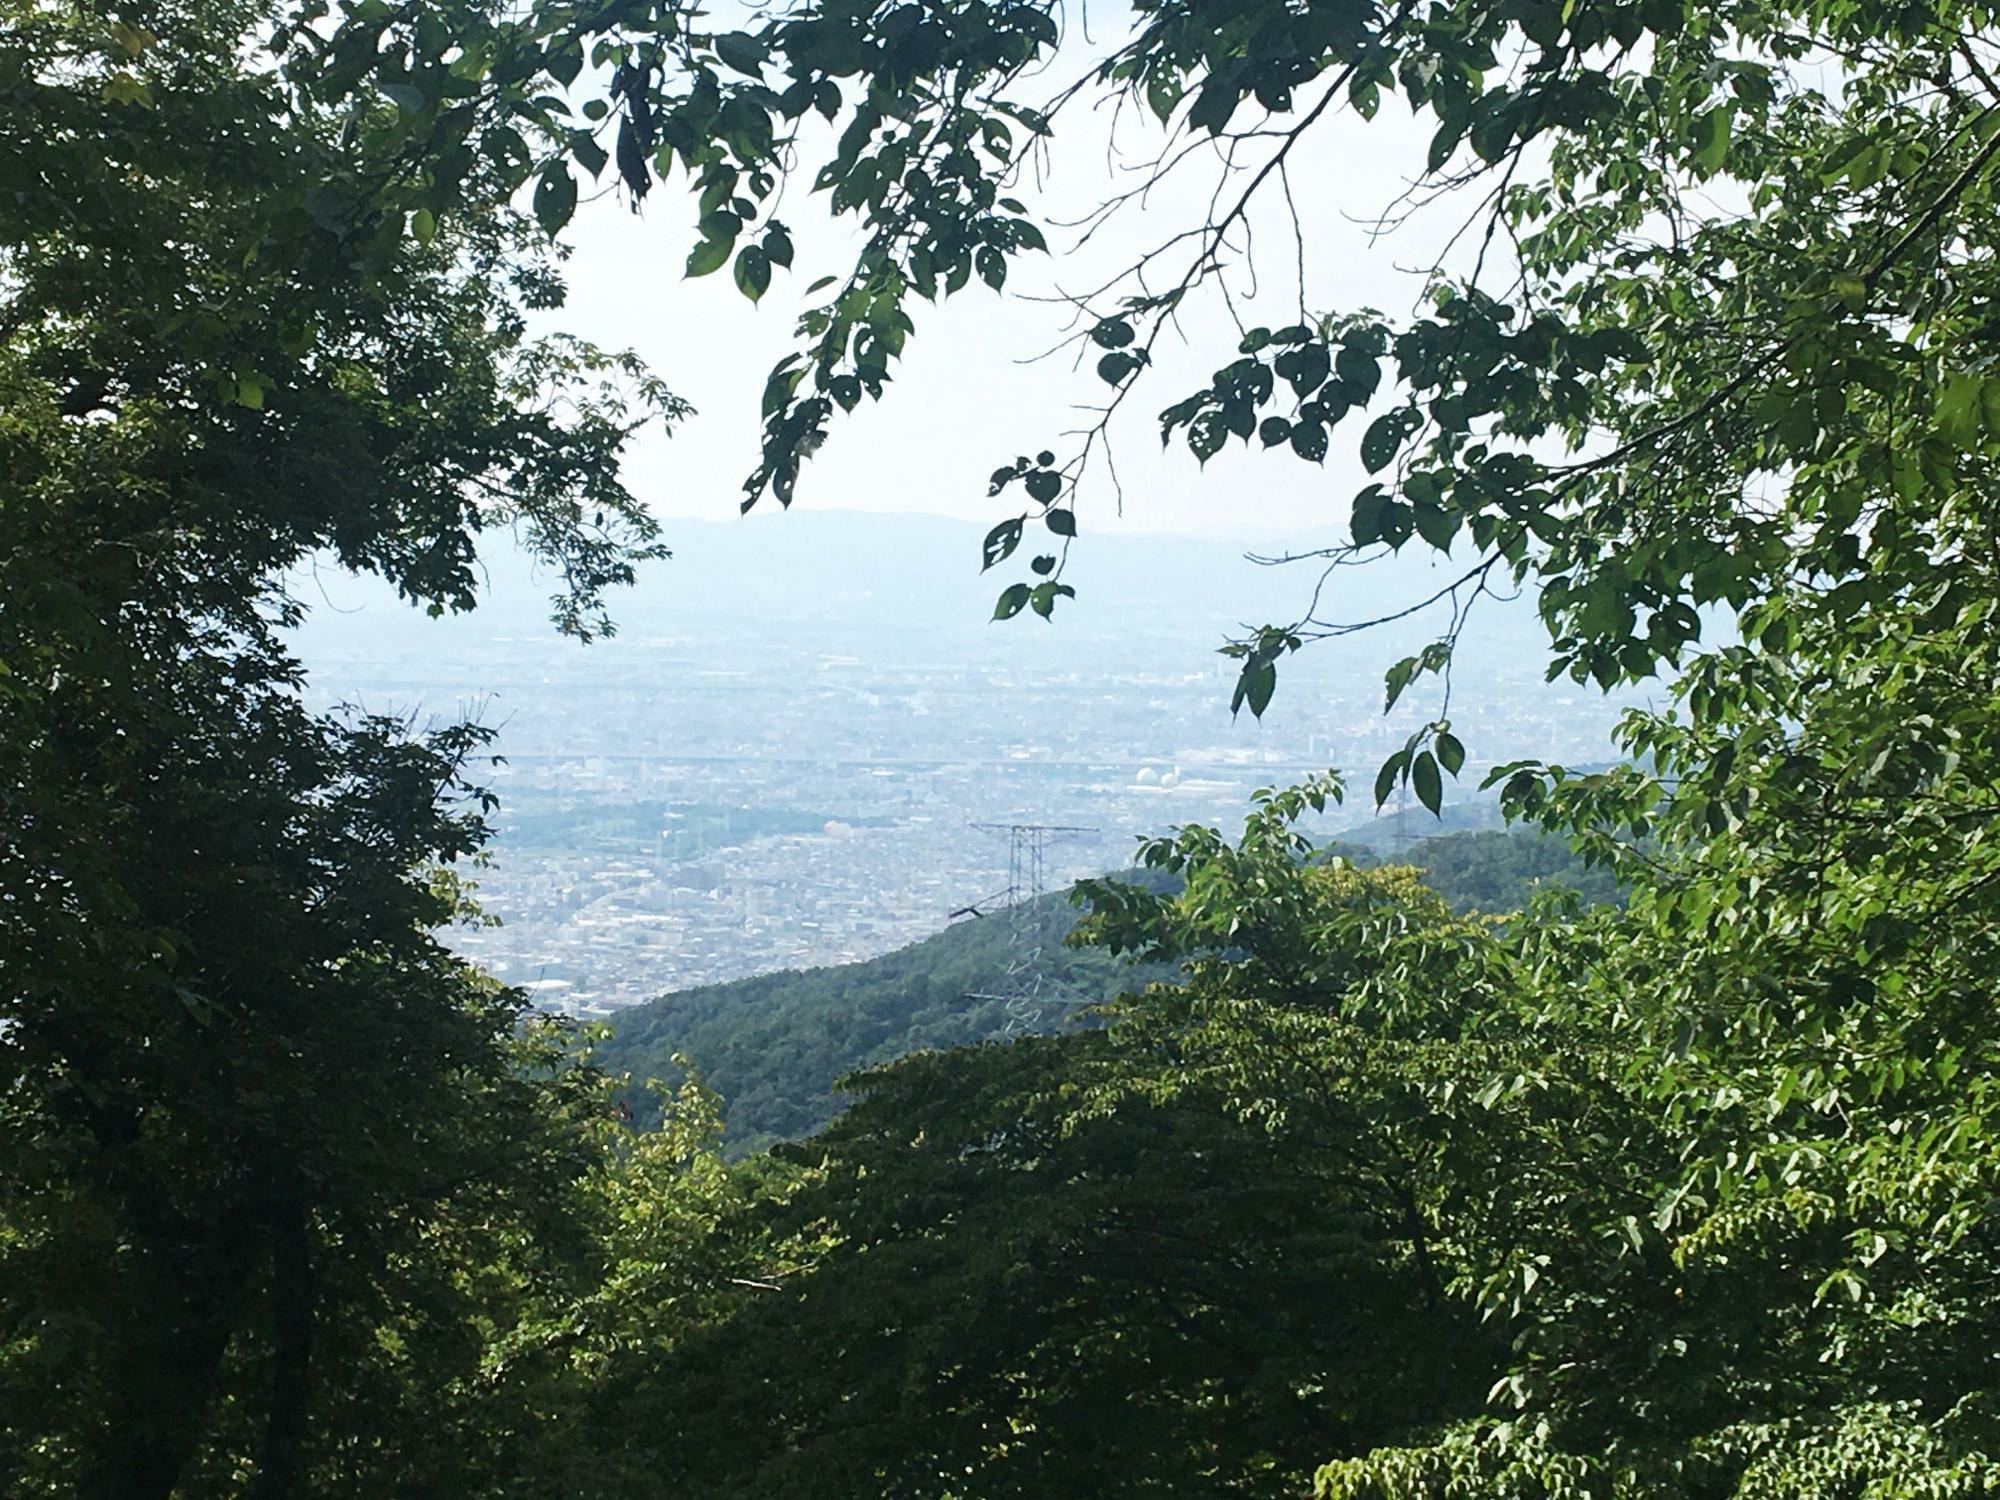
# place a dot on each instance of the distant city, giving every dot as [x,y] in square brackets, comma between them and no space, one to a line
[779,761]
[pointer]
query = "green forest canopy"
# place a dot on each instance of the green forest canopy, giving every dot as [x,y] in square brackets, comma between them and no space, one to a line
[1688,1196]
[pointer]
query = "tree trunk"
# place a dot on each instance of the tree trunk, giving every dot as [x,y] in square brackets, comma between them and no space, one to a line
[164,1378]
[281,1459]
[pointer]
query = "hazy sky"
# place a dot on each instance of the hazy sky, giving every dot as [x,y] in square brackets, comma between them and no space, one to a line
[968,395]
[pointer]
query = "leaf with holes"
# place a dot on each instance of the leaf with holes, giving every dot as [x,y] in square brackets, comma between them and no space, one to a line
[1001,542]
[555,198]
[1381,442]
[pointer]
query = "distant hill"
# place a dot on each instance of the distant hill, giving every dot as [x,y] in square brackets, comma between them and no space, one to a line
[1389,834]
[773,1045]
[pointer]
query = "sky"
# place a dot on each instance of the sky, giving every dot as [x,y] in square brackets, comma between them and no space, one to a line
[970,392]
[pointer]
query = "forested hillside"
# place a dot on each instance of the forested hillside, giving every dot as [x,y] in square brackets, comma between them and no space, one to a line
[772,1047]
[1495,870]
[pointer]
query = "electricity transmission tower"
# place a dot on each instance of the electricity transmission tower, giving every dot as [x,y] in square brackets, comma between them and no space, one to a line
[1025,990]
[1400,838]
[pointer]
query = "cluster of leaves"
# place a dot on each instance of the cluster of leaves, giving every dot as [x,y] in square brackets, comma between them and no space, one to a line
[1291,1204]
[1499,871]
[1387,1201]
[1658,408]
[1044,484]
[919,144]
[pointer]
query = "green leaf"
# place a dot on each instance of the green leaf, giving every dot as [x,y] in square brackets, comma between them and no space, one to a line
[1042,598]
[1206,434]
[1306,367]
[555,198]
[1256,684]
[1961,407]
[753,272]
[1493,136]
[423,226]
[565,64]
[710,256]
[1425,781]
[1214,104]
[1397,679]
[589,154]
[1381,442]
[1450,753]
[1367,520]
[1711,137]
[1386,777]
[1013,599]
[1449,134]
[134,39]
[742,51]
[1061,522]
[1436,524]
[1001,542]
[1359,371]
[1044,485]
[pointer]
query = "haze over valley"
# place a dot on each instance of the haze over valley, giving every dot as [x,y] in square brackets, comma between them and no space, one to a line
[777,761]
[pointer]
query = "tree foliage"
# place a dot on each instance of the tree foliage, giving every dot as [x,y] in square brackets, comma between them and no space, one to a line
[265,1144]
[1716,344]
[1642,402]
[1142,1261]
[1692,1196]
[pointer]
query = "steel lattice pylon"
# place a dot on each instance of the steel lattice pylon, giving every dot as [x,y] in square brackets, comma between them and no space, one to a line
[1025,991]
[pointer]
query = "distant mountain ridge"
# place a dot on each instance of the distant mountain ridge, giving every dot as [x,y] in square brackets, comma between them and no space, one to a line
[769,573]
